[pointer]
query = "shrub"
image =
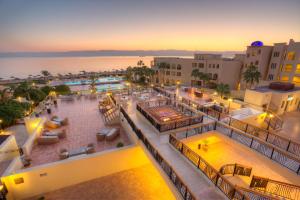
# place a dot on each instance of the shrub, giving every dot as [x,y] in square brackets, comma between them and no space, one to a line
[62,89]
[46,89]
[120,144]
[12,110]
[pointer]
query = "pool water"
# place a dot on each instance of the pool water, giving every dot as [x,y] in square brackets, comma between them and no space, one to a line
[98,81]
[107,87]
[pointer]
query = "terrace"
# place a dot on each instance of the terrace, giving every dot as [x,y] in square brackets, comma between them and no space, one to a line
[219,150]
[143,182]
[85,121]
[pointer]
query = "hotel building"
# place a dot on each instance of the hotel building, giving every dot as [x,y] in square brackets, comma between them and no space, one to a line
[220,70]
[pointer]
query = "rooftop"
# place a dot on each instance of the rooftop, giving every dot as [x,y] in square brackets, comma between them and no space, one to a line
[223,150]
[85,121]
[143,182]
[267,89]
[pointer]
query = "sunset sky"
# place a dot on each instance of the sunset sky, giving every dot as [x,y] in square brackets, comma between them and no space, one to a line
[63,25]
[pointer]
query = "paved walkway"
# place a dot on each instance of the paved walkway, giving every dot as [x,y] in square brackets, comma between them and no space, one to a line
[199,185]
[291,126]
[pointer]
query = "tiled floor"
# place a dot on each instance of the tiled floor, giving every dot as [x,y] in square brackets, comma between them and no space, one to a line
[223,150]
[84,121]
[291,126]
[142,183]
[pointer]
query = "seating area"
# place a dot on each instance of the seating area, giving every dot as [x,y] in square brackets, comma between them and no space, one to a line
[108,134]
[73,125]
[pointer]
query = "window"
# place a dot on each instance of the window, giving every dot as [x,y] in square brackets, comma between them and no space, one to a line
[276,54]
[270,77]
[173,66]
[259,51]
[194,64]
[297,69]
[209,75]
[256,62]
[178,73]
[245,65]
[287,68]
[248,55]
[218,66]
[168,66]
[214,66]
[296,80]
[284,78]
[209,66]
[215,77]
[253,53]
[273,65]
[167,73]
[290,55]
[201,65]
[178,67]
[173,73]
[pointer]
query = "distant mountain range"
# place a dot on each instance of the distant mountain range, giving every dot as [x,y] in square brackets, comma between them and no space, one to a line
[91,53]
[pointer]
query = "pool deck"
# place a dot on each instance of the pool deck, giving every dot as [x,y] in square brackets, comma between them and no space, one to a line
[84,122]
[223,150]
[199,185]
[139,183]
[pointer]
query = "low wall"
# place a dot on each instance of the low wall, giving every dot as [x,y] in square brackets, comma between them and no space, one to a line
[34,128]
[9,149]
[49,177]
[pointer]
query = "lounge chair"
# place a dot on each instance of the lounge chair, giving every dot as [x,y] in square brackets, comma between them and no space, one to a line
[90,148]
[52,124]
[65,122]
[47,140]
[63,154]
[115,132]
[102,133]
[60,134]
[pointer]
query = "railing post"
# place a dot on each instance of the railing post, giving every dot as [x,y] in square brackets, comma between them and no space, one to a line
[231,133]
[229,121]
[215,125]
[246,128]
[251,142]
[288,146]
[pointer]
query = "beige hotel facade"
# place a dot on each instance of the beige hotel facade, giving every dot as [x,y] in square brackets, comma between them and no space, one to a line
[278,62]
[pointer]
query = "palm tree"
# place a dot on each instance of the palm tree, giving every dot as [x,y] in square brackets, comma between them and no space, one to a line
[93,84]
[251,75]
[45,73]
[205,78]
[140,63]
[162,67]
[223,89]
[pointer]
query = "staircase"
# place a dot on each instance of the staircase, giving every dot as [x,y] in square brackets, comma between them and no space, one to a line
[111,116]
[275,188]
[236,169]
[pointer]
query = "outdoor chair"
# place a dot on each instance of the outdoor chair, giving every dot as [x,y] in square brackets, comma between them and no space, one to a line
[115,132]
[63,154]
[46,140]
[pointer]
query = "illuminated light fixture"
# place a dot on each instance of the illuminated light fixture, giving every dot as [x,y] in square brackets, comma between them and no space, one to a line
[19,99]
[1,121]
[290,98]
[271,115]
[230,99]
[152,85]
[166,119]
[215,93]
[33,84]
[178,82]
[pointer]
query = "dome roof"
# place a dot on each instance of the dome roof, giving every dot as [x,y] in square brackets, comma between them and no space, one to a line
[257,44]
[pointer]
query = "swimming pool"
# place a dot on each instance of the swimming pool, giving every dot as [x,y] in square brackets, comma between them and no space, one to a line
[100,88]
[98,81]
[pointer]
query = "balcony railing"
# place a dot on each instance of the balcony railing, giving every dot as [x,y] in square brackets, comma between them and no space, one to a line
[230,190]
[272,138]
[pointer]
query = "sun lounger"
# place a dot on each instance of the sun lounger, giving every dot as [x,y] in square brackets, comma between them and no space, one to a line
[60,134]
[52,124]
[115,132]
[47,140]
[102,133]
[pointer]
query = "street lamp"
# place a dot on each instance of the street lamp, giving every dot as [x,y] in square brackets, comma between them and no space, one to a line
[128,86]
[1,125]
[229,101]
[269,122]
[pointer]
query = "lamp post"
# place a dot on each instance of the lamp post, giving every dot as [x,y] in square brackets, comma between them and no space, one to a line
[1,125]
[229,101]
[269,122]
[128,86]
